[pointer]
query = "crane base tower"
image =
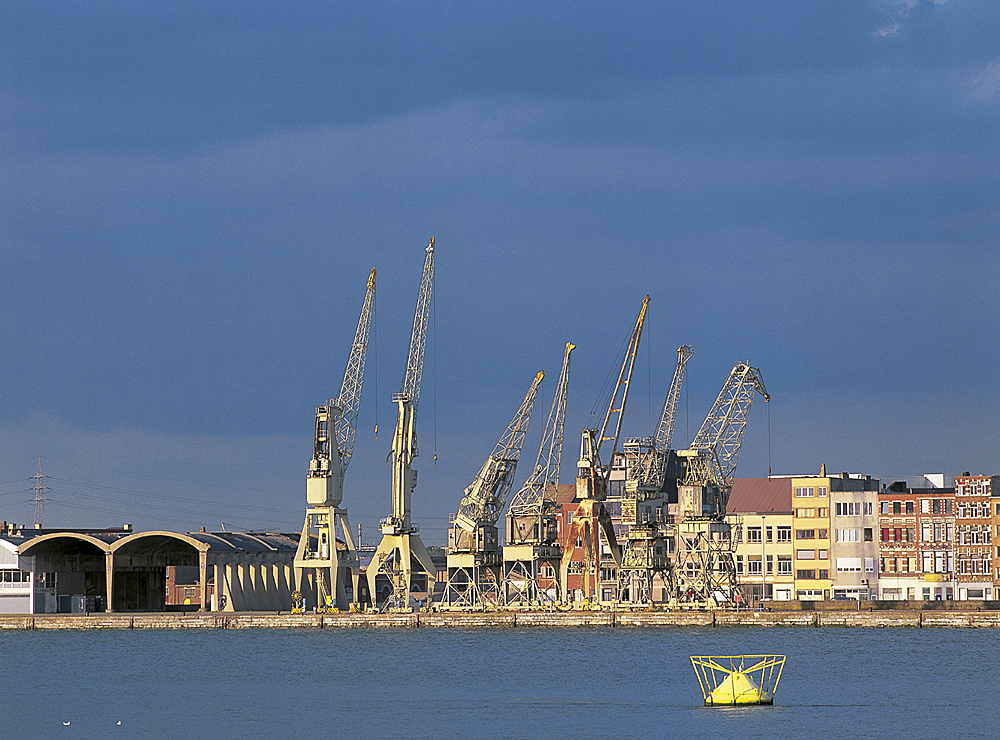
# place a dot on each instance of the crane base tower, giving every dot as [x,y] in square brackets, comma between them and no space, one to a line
[705,571]
[398,556]
[474,568]
[324,577]
[523,582]
[644,557]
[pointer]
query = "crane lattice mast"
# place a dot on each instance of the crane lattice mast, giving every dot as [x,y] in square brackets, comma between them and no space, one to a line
[535,497]
[321,573]
[592,478]
[474,555]
[533,546]
[705,573]
[400,543]
[645,554]
[485,497]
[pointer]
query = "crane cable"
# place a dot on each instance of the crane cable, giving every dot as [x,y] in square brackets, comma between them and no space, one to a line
[434,371]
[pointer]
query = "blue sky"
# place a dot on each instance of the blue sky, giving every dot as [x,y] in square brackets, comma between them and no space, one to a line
[194,194]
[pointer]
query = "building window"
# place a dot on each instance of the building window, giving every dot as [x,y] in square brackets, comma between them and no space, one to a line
[784,565]
[909,507]
[805,534]
[805,554]
[804,492]
[896,507]
[753,567]
[848,508]
[848,565]
[784,534]
[753,534]
[868,534]
[824,574]
[850,535]
[821,491]
[806,575]
[823,554]
[805,513]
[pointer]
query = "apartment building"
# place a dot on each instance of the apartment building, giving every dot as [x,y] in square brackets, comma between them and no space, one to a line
[973,553]
[760,513]
[854,549]
[899,577]
[811,532]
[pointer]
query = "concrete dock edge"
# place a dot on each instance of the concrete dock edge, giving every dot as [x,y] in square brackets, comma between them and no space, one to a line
[901,618]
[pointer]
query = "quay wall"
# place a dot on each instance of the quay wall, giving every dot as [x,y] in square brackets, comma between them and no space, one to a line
[914,618]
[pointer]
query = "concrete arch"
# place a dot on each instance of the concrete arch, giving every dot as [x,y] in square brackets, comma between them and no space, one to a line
[82,562]
[157,541]
[38,545]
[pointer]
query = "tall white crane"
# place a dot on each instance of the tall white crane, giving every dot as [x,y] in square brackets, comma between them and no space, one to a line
[321,573]
[705,572]
[591,516]
[401,543]
[474,554]
[532,525]
[645,553]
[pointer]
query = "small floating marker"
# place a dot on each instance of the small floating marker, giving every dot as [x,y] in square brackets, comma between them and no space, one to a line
[66,723]
[728,680]
[119,722]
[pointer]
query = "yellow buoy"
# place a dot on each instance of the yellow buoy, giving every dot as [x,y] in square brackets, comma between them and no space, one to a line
[726,680]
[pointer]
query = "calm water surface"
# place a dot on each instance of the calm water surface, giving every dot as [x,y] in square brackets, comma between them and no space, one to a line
[514,683]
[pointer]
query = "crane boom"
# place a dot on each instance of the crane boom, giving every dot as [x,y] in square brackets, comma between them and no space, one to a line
[334,582]
[404,445]
[592,439]
[336,422]
[591,516]
[529,500]
[401,548]
[349,399]
[665,429]
[651,475]
[718,442]
[418,339]
[484,499]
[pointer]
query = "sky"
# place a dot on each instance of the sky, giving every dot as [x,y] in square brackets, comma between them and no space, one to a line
[194,194]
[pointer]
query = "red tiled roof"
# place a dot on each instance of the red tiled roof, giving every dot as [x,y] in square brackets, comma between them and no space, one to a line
[760,495]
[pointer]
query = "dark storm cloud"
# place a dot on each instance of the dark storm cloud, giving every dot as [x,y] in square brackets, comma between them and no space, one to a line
[195,193]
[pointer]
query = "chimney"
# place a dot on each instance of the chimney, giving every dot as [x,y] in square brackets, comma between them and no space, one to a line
[822,470]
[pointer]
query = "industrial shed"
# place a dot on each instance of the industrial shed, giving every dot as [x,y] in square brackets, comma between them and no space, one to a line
[123,571]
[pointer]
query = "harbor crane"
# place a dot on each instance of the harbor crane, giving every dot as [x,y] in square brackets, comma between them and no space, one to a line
[532,524]
[322,574]
[591,516]
[474,553]
[705,573]
[401,544]
[645,553]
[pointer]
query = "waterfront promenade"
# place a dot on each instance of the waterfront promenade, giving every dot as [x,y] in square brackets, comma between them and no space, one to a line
[916,618]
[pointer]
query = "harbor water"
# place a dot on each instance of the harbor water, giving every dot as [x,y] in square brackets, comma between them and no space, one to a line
[491,683]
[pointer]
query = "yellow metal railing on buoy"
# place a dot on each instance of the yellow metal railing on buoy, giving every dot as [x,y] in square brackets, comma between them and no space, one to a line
[728,680]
